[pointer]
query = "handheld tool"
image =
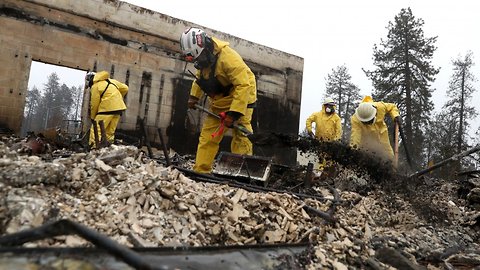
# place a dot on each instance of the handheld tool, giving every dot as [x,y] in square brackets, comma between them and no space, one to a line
[395,147]
[409,160]
[238,127]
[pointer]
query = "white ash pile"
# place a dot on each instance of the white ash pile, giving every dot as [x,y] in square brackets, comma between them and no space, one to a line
[137,202]
[121,193]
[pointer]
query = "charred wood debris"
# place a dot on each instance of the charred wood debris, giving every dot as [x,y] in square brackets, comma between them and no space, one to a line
[357,214]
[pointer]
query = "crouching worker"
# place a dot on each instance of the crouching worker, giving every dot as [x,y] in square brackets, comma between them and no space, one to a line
[230,85]
[369,131]
[106,103]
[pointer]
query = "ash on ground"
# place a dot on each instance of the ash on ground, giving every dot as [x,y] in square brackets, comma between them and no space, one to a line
[382,220]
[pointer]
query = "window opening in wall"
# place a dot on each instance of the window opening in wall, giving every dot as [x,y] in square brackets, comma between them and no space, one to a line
[54,99]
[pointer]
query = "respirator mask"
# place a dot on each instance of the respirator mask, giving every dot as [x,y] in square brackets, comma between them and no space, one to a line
[329,109]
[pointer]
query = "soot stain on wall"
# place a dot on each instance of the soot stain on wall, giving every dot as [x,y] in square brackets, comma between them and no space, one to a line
[180,138]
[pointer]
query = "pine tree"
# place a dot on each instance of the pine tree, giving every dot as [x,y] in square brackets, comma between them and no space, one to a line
[54,105]
[50,90]
[448,129]
[440,144]
[77,96]
[50,106]
[61,106]
[460,92]
[345,93]
[31,108]
[404,74]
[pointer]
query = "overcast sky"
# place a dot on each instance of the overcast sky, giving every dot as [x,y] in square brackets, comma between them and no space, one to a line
[332,33]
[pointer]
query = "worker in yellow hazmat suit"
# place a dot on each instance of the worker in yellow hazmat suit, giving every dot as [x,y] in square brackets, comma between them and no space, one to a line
[106,103]
[369,131]
[328,126]
[231,88]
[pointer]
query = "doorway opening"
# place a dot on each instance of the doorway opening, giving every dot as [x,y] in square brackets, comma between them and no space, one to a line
[54,99]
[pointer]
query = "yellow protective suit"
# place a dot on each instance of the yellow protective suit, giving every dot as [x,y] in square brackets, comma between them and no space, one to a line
[328,127]
[230,69]
[106,103]
[374,137]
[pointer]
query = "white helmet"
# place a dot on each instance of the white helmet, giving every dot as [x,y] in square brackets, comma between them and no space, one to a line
[89,78]
[192,43]
[329,101]
[366,111]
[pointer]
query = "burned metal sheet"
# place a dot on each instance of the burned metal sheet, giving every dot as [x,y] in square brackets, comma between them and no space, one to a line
[243,166]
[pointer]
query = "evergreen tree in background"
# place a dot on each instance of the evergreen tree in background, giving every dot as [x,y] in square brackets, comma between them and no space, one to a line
[61,107]
[49,107]
[345,93]
[48,103]
[50,89]
[404,74]
[77,96]
[460,92]
[446,134]
[440,144]
[31,108]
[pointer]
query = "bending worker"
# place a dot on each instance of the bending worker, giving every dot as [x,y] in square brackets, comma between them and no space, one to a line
[106,103]
[369,131]
[231,88]
[328,126]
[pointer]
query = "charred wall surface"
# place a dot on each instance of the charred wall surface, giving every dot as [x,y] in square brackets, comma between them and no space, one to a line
[140,47]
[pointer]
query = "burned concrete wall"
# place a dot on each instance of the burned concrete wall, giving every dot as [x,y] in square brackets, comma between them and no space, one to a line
[140,47]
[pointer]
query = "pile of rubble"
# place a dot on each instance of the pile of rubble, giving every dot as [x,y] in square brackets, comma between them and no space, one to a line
[138,202]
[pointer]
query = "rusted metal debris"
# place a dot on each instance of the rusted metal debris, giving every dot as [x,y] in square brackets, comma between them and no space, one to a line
[68,227]
[32,144]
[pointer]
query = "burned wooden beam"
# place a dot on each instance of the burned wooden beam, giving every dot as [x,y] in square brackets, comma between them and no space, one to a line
[308,176]
[145,134]
[326,216]
[446,161]
[95,133]
[164,148]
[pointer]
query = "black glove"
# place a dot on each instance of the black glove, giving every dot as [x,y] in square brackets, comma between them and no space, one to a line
[192,101]
[231,117]
[228,121]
